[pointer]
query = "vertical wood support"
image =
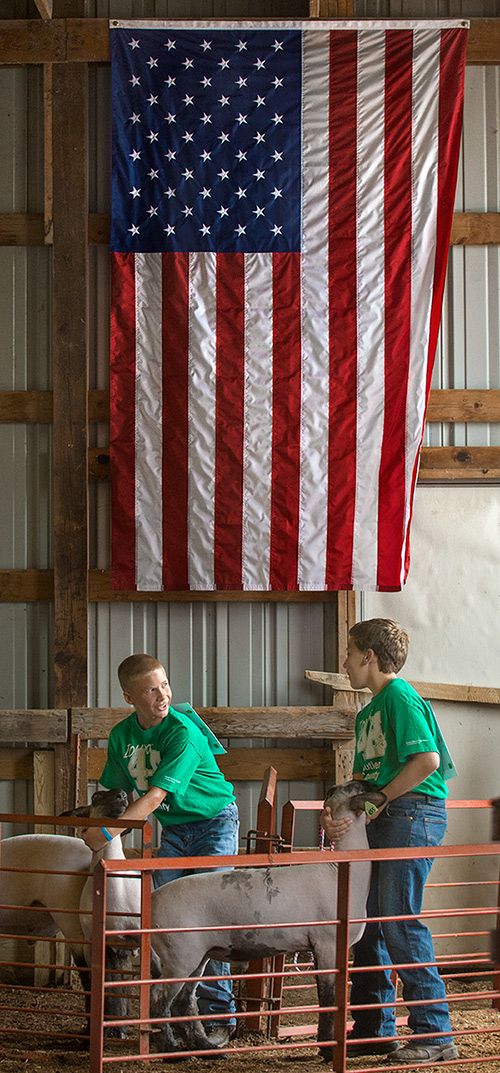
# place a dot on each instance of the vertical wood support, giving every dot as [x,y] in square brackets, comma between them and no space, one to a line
[332,9]
[67,140]
[346,617]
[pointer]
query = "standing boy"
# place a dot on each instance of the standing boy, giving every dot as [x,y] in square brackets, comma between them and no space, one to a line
[400,749]
[166,757]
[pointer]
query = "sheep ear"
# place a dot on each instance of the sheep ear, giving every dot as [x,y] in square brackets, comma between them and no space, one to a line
[84,810]
[357,803]
[329,793]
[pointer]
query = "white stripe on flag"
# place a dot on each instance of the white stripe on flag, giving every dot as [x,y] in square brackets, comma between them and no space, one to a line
[370,305]
[258,425]
[201,419]
[148,425]
[425,146]
[314,313]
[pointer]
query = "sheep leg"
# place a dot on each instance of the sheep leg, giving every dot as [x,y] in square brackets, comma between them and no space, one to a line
[179,1000]
[325,986]
[115,1002]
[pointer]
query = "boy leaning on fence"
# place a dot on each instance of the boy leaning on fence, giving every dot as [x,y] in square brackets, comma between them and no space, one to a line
[400,749]
[166,756]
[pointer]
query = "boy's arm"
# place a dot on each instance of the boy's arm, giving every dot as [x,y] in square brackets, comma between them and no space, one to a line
[417,768]
[138,810]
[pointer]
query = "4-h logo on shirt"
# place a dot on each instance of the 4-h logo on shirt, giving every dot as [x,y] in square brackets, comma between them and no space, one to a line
[372,743]
[142,760]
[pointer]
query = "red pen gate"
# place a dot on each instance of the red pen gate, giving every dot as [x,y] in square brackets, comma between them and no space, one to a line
[341,969]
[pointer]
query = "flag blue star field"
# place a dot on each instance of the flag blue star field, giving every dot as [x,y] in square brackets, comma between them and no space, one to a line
[282,198]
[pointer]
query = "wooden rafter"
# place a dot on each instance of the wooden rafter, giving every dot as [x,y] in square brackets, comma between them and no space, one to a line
[87,41]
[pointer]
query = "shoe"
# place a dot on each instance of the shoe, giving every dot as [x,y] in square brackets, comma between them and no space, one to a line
[425,1052]
[356,1048]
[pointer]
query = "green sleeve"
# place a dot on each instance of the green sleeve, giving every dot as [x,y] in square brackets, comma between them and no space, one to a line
[413,731]
[115,775]
[175,771]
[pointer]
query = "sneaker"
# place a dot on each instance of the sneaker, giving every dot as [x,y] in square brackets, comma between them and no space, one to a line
[357,1048]
[425,1052]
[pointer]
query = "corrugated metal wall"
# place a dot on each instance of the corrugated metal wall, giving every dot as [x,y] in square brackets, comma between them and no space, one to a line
[216,653]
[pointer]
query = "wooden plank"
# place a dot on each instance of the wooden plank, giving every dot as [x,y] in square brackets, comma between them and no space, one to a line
[44,8]
[469,694]
[43,788]
[30,229]
[32,41]
[475,464]
[16,764]
[465,406]
[21,228]
[34,725]
[26,406]
[475,229]
[445,405]
[48,154]
[279,722]
[248,765]
[70,379]
[100,591]
[26,586]
[87,40]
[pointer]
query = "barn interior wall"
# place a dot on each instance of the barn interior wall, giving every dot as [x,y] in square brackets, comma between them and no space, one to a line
[216,653]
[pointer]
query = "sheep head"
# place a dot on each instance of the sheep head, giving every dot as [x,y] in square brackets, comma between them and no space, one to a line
[352,797]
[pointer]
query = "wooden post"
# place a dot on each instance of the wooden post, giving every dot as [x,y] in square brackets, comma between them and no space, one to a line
[66,137]
[346,617]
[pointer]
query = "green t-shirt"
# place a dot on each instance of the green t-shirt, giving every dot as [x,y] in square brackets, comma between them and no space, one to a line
[394,726]
[176,756]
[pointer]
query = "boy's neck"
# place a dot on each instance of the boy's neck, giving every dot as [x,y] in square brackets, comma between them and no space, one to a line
[378,680]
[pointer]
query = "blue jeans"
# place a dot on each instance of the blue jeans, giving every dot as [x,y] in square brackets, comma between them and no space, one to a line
[397,887]
[206,838]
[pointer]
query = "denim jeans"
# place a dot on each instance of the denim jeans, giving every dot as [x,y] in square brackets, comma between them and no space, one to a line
[397,887]
[206,838]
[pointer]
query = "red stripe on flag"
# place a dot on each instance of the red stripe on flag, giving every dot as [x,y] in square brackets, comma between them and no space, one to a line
[397,298]
[175,423]
[451,94]
[342,297]
[283,566]
[229,410]
[122,419]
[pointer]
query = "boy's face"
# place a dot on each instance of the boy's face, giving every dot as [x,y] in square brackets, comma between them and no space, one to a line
[151,696]
[357,665]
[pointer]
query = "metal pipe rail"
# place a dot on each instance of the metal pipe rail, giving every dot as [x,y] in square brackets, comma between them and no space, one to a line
[342,970]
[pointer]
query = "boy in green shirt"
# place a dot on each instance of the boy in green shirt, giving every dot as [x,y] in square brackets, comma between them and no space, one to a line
[400,749]
[166,756]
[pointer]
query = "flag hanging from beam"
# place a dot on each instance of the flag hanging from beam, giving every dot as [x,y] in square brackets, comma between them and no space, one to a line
[282,206]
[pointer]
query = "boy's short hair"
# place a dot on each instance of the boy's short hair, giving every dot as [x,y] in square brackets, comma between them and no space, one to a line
[135,666]
[388,640]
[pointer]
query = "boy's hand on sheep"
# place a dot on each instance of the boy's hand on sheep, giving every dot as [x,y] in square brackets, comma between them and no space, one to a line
[334,829]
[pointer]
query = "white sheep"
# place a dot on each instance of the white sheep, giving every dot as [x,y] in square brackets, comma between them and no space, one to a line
[255,896]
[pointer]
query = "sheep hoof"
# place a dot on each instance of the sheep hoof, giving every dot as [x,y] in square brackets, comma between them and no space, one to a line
[115,1032]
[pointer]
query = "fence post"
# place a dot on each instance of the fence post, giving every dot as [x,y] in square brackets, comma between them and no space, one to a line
[98,961]
[145,969]
[342,966]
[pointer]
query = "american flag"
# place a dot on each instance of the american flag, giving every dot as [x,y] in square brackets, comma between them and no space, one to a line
[282,204]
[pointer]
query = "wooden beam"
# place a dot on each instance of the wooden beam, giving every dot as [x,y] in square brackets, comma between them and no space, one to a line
[475,229]
[468,694]
[44,788]
[277,722]
[30,229]
[34,725]
[249,765]
[474,464]
[452,405]
[16,764]
[87,40]
[445,405]
[70,379]
[100,591]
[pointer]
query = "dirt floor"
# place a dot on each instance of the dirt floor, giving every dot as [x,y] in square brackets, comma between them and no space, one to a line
[20,1049]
